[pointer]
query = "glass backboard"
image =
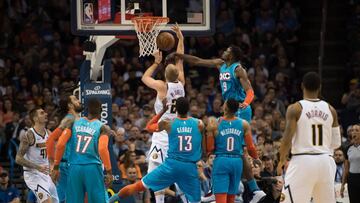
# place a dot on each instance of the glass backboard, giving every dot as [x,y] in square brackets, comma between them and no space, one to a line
[113,17]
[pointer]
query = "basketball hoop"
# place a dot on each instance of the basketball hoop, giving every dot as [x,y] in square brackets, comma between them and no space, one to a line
[147,29]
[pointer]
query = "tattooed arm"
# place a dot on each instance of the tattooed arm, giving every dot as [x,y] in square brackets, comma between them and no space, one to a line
[25,142]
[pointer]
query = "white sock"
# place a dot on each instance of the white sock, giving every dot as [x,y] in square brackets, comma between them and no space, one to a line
[160,198]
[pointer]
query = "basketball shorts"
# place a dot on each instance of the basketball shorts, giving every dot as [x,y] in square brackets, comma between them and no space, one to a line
[309,176]
[245,113]
[41,185]
[184,174]
[159,148]
[226,174]
[86,178]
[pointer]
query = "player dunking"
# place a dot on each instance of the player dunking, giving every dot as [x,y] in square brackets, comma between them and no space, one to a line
[229,134]
[180,167]
[312,132]
[171,89]
[32,156]
[89,149]
[70,106]
[234,84]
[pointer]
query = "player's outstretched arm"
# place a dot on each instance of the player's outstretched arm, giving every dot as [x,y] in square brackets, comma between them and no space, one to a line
[55,135]
[27,140]
[147,78]
[292,115]
[104,152]
[180,49]
[193,60]
[245,83]
[335,131]
[248,141]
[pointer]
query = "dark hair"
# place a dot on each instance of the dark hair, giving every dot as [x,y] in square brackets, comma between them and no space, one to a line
[94,106]
[64,104]
[127,159]
[236,53]
[232,105]
[268,141]
[182,105]
[33,113]
[311,81]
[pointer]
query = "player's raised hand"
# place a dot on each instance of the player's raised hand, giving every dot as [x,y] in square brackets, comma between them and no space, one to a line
[158,57]
[178,32]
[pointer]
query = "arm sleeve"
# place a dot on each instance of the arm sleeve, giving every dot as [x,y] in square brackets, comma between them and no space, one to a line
[152,125]
[210,144]
[104,152]
[50,143]
[335,137]
[250,146]
[60,146]
[249,96]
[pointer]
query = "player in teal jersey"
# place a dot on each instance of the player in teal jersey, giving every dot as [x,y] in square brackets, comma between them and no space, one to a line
[228,148]
[185,141]
[88,151]
[234,84]
[70,107]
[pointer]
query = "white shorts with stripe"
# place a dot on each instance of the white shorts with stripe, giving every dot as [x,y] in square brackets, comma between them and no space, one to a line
[307,177]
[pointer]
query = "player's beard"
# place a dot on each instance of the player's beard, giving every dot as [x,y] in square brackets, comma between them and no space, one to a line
[79,109]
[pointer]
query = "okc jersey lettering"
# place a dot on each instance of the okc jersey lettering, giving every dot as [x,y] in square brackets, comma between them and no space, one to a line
[224,76]
[85,129]
[230,131]
[184,129]
[231,87]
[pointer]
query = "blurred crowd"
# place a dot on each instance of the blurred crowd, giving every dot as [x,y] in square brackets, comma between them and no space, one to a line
[38,55]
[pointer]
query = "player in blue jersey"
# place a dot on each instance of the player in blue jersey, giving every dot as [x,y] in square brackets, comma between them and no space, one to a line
[70,107]
[185,140]
[235,85]
[88,139]
[228,148]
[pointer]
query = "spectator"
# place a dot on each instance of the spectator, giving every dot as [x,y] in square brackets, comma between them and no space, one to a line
[269,168]
[131,174]
[8,193]
[339,160]
[146,113]
[129,161]
[351,175]
[265,22]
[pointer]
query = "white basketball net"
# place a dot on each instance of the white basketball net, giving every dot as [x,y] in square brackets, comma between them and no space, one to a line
[147,29]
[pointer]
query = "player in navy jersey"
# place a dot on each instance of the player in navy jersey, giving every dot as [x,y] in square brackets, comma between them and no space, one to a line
[235,85]
[185,140]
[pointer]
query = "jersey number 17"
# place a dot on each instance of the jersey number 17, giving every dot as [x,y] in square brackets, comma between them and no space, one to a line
[83,139]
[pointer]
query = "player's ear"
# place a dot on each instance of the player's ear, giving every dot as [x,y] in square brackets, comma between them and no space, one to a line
[302,86]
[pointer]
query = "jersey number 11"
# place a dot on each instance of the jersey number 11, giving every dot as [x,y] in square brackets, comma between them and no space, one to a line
[318,134]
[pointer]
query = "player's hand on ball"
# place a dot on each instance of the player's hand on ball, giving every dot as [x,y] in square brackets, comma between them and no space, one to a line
[158,57]
[178,32]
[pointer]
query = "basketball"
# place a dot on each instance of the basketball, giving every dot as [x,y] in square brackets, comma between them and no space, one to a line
[165,41]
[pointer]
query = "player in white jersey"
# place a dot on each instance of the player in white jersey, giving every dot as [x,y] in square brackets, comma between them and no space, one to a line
[171,89]
[312,132]
[32,156]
